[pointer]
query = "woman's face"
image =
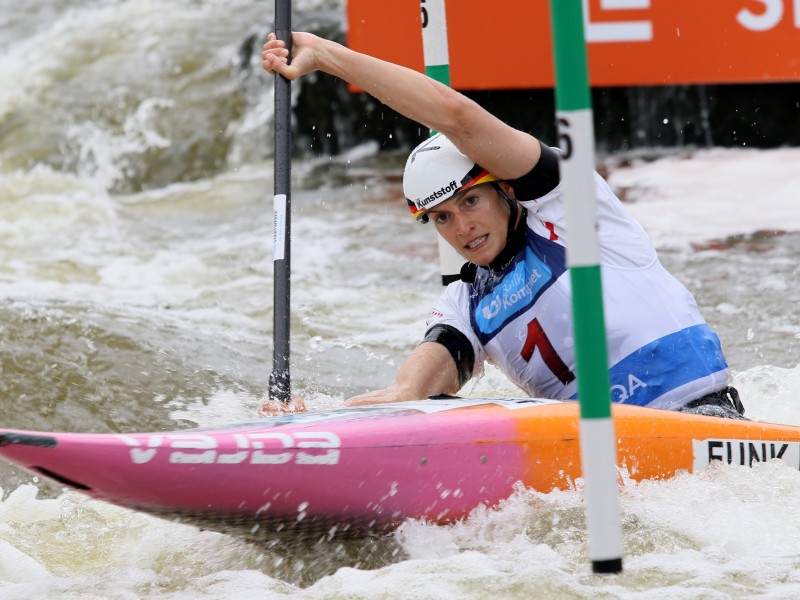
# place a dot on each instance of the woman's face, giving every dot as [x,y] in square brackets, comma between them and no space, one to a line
[474,222]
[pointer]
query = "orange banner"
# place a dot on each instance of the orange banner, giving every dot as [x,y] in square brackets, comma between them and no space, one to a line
[501,44]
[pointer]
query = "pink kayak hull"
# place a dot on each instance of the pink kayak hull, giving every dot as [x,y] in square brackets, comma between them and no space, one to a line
[360,469]
[348,471]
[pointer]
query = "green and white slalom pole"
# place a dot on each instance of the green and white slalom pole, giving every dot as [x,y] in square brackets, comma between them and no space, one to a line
[437,66]
[598,441]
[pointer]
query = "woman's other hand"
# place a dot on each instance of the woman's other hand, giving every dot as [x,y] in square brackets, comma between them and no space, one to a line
[276,408]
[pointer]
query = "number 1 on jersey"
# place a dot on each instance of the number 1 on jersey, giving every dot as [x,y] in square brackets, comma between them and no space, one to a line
[537,338]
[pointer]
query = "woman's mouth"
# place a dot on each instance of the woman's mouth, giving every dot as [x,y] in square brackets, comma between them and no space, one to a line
[476,243]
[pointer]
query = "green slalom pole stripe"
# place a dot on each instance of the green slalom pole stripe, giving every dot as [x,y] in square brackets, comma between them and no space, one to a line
[569,48]
[590,343]
[440,73]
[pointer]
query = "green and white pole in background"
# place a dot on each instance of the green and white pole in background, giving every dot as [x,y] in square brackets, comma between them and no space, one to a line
[437,66]
[598,441]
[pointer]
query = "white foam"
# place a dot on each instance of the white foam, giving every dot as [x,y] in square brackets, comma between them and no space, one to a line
[712,194]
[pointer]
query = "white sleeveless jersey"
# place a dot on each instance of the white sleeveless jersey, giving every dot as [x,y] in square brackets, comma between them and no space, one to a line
[661,351]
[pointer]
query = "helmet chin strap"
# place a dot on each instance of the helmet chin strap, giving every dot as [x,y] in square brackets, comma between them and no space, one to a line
[515,234]
[515,237]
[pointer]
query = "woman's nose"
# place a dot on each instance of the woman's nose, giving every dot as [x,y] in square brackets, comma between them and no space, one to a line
[463,223]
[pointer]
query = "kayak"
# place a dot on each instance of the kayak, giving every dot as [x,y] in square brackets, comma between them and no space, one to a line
[360,471]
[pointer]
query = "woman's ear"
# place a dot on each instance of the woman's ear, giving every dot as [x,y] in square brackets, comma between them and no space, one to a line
[506,187]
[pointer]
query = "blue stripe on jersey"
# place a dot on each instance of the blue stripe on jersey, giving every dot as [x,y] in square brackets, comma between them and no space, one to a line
[496,299]
[666,364]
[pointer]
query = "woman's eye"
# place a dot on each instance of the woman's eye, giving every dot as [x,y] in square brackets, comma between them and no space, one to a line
[441,219]
[471,200]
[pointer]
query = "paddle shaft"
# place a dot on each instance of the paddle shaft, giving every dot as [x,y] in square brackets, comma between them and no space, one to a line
[280,380]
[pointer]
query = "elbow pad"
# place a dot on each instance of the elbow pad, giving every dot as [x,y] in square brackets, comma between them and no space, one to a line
[542,179]
[458,346]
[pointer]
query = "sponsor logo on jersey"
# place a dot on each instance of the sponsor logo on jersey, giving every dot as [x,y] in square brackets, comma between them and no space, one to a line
[622,392]
[666,364]
[514,294]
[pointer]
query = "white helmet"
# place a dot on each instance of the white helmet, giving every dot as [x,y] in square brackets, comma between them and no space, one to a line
[435,171]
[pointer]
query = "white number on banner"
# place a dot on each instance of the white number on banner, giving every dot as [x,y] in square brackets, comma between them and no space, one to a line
[769,17]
